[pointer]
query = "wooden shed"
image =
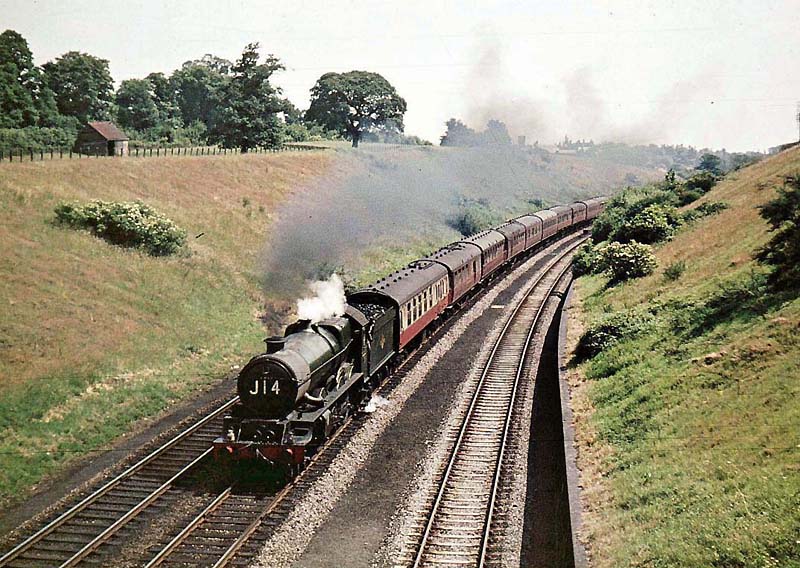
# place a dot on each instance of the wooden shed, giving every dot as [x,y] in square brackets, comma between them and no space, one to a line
[102,138]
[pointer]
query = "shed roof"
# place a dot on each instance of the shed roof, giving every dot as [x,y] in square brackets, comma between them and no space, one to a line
[108,130]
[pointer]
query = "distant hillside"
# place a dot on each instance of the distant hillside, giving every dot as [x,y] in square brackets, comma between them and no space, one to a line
[95,338]
[688,429]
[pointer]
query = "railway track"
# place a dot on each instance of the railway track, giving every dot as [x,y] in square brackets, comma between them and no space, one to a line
[456,526]
[99,518]
[233,527]
[228,529]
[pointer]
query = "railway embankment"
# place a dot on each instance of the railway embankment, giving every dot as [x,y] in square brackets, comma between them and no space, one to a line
[99,342]
[686,426]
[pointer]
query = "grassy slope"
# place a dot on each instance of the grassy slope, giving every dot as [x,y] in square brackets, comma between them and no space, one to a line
[689,445]
[94,338]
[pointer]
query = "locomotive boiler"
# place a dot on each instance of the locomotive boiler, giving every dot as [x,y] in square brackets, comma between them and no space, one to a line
[293,396]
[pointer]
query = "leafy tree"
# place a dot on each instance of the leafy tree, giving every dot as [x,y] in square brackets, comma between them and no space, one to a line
[250,104]
[82,86]
[496,133]
[353,103]
[783,249]
[24,98]
[710,163]
[458,134]
[198,87]
[164,97]
[136,106]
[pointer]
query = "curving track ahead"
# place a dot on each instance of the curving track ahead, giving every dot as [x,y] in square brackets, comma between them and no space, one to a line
[456,528]
[232,526]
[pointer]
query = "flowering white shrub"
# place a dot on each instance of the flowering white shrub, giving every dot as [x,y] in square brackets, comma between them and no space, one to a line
[130,224]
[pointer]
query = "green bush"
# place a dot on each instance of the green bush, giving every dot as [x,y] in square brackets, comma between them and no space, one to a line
[782,251]
[652,225]
[610,329]
[624,207]
[126,224]
[687,196]
[702,181]
[36,139]
[675,270]
[585,260]
[704,210]
[623,261]
[712,208]
[473,217]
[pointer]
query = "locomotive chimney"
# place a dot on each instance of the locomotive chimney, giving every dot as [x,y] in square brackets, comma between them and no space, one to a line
[275,343]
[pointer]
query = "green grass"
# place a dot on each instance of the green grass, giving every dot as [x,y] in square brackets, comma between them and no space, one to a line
[95,339]
[691,435]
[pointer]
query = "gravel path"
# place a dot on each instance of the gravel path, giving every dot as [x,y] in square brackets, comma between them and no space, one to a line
[293,538]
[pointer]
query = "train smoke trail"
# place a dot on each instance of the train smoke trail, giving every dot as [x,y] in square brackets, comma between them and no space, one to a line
[328,300]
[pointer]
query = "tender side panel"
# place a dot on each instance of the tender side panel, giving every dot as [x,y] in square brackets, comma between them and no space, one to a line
[381,341]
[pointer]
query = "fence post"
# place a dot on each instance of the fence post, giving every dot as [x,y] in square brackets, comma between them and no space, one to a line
[61,153]
[41,154]
[70,153]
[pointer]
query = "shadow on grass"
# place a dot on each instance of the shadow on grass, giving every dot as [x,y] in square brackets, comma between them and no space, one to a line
[743,299]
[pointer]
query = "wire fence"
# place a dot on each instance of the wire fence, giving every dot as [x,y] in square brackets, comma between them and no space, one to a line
[17,155]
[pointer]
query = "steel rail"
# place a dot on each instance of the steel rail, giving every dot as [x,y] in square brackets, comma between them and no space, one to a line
[509,414]
[95,495]
[119,523]
[474,401]
[187,530]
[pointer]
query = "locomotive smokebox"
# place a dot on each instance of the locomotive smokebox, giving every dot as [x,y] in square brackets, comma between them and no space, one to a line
[268,387]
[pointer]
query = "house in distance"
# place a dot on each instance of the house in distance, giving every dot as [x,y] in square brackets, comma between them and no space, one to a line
[103,138]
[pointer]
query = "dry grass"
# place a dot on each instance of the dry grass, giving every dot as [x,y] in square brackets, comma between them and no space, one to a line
[94,337]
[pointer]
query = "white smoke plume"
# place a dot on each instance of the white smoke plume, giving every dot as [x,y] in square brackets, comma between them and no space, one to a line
[328,300]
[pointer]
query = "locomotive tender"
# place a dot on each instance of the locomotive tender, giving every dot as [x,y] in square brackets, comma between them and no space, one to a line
[297,394]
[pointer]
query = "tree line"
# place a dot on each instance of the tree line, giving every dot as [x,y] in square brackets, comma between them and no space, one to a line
[206,101]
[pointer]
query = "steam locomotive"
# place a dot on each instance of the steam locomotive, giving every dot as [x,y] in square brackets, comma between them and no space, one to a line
[308,382]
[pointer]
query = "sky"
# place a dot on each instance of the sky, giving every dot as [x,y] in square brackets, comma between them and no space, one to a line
[716,74]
